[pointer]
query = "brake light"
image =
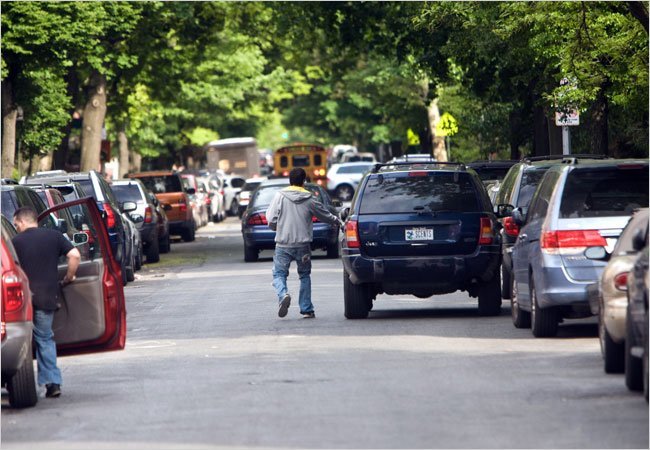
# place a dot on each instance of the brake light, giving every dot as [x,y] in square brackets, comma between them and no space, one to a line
[562,242]
[182,204]
[486,235]
[630,166]
[352,234]
[257,219]
[208,201]
[285,173]
[620,281]
[110,216]
[416,173]
[510,227]
[12,294]
[314,219]
[148,217]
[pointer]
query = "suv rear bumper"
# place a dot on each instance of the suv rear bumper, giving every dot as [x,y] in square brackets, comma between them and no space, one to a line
[15,347]
[436,274]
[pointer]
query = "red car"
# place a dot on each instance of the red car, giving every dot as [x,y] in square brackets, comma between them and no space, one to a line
[92,315]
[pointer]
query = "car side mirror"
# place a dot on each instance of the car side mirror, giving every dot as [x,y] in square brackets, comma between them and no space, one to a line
[191,191]
[504,210]
[129,206]
[344,214]
[596,253]
[79,238]
[638,239]
[167,207]
[518,216]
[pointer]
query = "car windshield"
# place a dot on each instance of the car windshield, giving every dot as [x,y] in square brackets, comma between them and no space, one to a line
[529,181]
[604,192]
[405,193]
[127,193]
[162,184]
[264,195]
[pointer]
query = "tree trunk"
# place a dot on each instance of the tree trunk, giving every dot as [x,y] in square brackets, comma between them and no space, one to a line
[439,150]
[93,121]
[136,161]
[599,117]
[123,143]
[541,144]
[640,12]
[45,162]
[9,116]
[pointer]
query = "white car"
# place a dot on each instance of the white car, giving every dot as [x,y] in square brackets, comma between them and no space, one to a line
[343,179]
[232,184]
[359,157]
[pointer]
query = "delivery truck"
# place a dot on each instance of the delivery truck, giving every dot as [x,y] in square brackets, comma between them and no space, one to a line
[234,156]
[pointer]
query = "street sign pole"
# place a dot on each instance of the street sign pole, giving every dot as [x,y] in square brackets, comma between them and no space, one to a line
[566,140]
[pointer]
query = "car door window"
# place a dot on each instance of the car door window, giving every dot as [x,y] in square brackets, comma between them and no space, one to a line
[542,198]
[505,191]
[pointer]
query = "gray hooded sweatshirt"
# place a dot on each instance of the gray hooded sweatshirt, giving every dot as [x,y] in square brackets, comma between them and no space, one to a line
[290,213]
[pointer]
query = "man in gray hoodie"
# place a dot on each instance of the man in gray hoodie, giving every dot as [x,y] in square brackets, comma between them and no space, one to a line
[290,216]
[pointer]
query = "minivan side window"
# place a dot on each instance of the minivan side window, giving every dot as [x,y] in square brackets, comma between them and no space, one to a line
[541,199]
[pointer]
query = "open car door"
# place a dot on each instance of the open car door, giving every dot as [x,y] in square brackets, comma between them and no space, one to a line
[92,313]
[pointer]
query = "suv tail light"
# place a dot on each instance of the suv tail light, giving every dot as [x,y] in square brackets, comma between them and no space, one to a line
[567,242]
[182,204]
[510,227]
[110,216]
[352,234]
[148,217]
[257,219]
[486,236]
[208,201]
[12,294]
[620,281]
[314,219]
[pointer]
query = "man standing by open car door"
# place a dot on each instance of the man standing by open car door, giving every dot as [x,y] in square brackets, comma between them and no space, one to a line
[39,250]
[290,216]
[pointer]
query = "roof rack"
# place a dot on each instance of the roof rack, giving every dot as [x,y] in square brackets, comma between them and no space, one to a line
[561,157]
[378,166]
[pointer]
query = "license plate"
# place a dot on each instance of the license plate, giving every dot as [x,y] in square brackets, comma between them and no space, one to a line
[418,234]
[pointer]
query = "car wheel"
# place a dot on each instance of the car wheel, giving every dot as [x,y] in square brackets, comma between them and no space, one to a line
[506,283]
[544,322]
[356,299]
[164,245]
[130,271]
[489,297]
[633,365]
[520,318]
[138,258]
[251,254]
[153,251]
[234,206]
[613,353]
[333,250]
[124,275]
[21,386]
[189,234]
[344,192]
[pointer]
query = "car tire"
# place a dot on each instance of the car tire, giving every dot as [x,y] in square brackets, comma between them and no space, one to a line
[356,299]
[251,254]
[506,283]
[520,318]
[138,258]
[633,365]
[153,251]
[613,353]
[234,206]
[124,275]
[189,234]
[164,244]
[130,271]
[489,297]
[543,322]
[333,250]
[22,386]
[344,192]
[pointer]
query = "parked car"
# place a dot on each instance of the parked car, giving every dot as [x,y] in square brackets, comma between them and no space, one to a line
[515,191]
[578,204]
[243,197]
[95,185]
[413,157]
[609,299]
[16,196]
[493,170]
[257,234]
[16,304]
[232,184]
[168,188]
[215,187]
[199,199]
[343,179]
[359,157]
[636,339]
[149,218]
[420,229]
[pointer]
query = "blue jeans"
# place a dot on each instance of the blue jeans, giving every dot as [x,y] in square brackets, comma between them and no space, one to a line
[281,261]
[48,372]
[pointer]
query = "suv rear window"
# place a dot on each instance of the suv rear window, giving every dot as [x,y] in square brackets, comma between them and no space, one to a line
[596,192]
[401,193]
[127,193]
[162,184]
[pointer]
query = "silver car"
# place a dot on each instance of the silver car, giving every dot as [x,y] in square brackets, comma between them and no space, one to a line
[578,204]
[343,179]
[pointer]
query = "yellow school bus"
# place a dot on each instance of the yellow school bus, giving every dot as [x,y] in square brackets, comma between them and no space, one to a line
[311,157]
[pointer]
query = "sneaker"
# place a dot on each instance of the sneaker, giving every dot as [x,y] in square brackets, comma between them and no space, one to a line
[52,390]
[284,305]
[309,315]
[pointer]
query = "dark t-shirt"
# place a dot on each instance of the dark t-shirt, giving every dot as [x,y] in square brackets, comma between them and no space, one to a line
[39,250]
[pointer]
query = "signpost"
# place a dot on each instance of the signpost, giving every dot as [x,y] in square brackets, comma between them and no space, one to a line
[566,118]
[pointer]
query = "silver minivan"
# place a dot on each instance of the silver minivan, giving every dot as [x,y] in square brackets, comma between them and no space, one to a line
[578,204]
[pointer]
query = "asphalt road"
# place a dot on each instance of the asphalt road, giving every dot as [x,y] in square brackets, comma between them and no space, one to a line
[208,364]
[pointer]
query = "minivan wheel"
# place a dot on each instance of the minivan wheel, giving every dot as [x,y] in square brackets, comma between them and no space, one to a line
[544,322]
[21,386]
[489,297]
[613,353]
[506,283]
[344,192]
[520,318]
[251,254]
[633,365]
[357,300]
